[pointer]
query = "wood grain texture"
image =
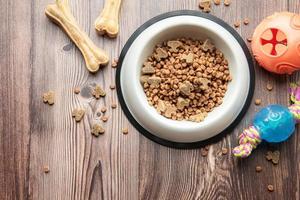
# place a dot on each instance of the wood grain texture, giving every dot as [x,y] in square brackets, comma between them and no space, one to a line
[36,56]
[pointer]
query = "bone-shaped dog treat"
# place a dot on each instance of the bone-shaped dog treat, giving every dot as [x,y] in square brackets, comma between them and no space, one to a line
[108,20]
[60,13]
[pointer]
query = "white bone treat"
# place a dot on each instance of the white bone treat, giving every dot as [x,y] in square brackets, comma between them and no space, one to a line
[108,20]
[60,13]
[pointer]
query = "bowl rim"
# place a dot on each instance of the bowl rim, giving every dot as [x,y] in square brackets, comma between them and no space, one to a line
[185,145]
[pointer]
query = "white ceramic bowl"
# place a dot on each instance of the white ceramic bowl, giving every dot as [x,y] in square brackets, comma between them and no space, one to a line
[192,24]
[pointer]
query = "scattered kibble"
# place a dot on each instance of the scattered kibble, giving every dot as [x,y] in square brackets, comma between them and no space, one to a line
[246,21]
[205,5]
[237,24]
[125,131]
[227,2]
[78,114]
[97,130]
[270,188]
[77,90]
[224,151]
[206,147]
[114,63]
[46,169]
[104,118]
[204,152]
[257,102]
[217,2]
[273,157]
[258,168]
[113,105]
[269,87]
[49,97]
[249,39]
[98,92]
[103,109]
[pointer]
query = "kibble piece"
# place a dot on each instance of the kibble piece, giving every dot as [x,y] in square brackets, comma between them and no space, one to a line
[114,63]
[269,155]
[275,157]
[144,79]
[113,105]
[205,5]
[174,45]
[186,88]
[204,152]
[98,92]
[270,188]
[207,45]
[257,102]
[161,106]
[170,111]
[103,109]
[224,151]
[249,39]
[97,129]
[258,168]
[46,169]
[198,118]
[154,81]
[269,87]
[237,24]
[217,2]
[206,147]
[98,114]
[188,58]
[125,131]
[112,87]
[104,118]
[160,54]
[182,103]
[246,21]
[203,83]
[78,114]
[77,90]
[49,97]
[227,2]
[148,68]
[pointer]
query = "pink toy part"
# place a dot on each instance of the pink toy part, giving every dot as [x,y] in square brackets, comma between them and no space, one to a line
[276,43]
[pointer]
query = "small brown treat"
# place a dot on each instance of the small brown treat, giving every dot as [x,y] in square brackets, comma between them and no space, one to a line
[206,147]
[113,105]
[270,188]
[98,114]
[98,92]
[174,45]
[258,168]
[170,111]
[161,106]
[217,2]
[160,54]
[269,155]
[207,45]
[246,21]
[249,39]
[205,5]
[148,68]
[154,81]
[78,114]
[46,169]
[112,87]
[103,109]
[204,152]
[182,103]
[144,79]
[203,83]
[275,157]
[104,118]
[188,58]
[77,90]
[97,129]
[49,97]
[224,151]
[198,118]
[257,102]
[186,88]
[237,24]
[269,87]
[114,63]
[125,131]
[227,2]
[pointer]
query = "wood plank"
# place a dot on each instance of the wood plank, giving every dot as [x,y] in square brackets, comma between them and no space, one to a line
[15,52]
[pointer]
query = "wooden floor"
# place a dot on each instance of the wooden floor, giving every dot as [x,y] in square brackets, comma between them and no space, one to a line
[36,56]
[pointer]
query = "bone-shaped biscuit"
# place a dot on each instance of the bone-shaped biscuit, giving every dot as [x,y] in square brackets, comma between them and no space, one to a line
[108,20]
[60,13]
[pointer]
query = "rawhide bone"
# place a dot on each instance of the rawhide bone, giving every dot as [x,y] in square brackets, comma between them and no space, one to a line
[108,20]
[60,13]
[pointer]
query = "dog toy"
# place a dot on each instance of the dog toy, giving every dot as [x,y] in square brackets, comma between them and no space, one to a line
[276,43]
[273,124]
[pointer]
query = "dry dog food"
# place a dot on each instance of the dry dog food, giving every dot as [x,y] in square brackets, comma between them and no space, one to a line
[273,157]
[49,97]
[184,79]
[205,5]
[98,92]
[78,114]
[97,130]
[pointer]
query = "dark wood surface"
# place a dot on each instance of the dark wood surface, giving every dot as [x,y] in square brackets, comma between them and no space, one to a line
[36,56]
